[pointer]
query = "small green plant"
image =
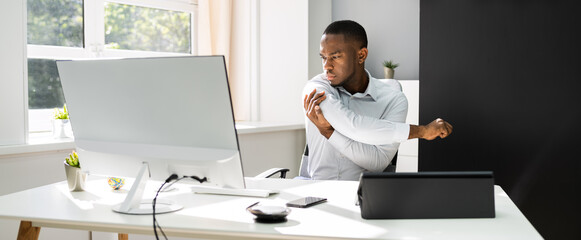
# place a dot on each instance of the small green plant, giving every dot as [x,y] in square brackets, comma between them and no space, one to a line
[73,160]
[390,64]
[58,114]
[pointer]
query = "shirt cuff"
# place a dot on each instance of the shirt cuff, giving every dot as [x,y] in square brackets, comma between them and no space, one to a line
[402,132]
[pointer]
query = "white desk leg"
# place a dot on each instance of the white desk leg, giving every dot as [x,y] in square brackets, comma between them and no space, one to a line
[27,231]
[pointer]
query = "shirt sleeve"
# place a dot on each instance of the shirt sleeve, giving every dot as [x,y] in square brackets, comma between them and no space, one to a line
[371,157]
[357,127]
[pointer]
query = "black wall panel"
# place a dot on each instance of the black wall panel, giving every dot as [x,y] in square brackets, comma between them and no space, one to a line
[507,75]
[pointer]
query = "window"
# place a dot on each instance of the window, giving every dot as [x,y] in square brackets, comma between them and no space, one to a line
[55,23]
[146,29]
[77,29]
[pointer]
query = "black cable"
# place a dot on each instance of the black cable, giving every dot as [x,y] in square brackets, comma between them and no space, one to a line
[154,219]
[155,223]
[198,179]
[168,180]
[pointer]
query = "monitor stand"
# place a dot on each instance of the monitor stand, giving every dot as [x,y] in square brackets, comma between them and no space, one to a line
[246,192]
[136,205]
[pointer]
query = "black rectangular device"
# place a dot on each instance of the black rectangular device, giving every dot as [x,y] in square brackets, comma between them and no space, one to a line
[305,202]
[388,195]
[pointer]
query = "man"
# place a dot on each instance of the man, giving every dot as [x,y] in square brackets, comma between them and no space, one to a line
[356,122]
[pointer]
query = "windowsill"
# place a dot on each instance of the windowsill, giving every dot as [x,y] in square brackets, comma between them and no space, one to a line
[261,127]
[39,142]
[44,142]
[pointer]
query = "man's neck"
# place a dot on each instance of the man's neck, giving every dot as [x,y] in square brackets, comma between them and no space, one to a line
[359,85]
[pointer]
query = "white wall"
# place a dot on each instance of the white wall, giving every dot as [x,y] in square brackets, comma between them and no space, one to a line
[320,15]
[283,57]
[12,70]
[393,32]
[262,151]
[274,51]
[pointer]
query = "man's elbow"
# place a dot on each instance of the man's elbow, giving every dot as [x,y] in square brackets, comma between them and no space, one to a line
[377,166]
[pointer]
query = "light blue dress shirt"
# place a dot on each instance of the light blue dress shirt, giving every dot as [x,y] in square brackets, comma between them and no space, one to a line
[368,127]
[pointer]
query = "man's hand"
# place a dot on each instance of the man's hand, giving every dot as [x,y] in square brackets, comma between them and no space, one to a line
[314,113]
[437,128]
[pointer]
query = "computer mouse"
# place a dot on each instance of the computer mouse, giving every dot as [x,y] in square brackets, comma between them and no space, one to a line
[269,214]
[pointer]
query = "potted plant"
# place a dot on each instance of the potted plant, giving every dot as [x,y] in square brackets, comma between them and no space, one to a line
[75,177]
[61,125]
[389,69]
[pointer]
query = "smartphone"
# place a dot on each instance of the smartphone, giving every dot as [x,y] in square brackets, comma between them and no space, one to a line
[305,202]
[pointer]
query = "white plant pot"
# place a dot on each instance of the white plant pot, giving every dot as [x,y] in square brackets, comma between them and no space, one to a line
[75,178]
[61,128]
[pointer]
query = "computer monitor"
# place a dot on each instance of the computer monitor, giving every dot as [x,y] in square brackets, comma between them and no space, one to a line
[153,117]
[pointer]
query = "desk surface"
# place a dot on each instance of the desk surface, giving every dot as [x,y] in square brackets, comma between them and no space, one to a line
[217,217]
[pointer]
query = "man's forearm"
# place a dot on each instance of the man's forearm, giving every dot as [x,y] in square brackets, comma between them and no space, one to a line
[416,131]
[327,132]
[437,128]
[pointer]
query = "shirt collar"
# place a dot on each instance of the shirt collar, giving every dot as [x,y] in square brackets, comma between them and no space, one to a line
[370,91]
[372,86]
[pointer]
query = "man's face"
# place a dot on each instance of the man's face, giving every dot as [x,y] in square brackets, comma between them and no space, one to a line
[339,59]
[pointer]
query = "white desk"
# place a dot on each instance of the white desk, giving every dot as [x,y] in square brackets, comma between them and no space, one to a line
[225,217]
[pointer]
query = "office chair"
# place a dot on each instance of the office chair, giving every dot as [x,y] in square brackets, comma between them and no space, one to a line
[302,170]
[271,172]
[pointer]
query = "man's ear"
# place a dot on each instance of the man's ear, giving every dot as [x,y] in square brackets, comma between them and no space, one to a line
[362,55]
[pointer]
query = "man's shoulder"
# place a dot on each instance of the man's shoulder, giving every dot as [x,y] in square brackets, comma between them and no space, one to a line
[319,83]
[319,80]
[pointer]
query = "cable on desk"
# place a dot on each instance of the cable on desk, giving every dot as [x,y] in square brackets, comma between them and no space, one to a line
[173,177]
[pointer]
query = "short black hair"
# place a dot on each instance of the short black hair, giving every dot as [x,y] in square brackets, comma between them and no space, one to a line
[350,29]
